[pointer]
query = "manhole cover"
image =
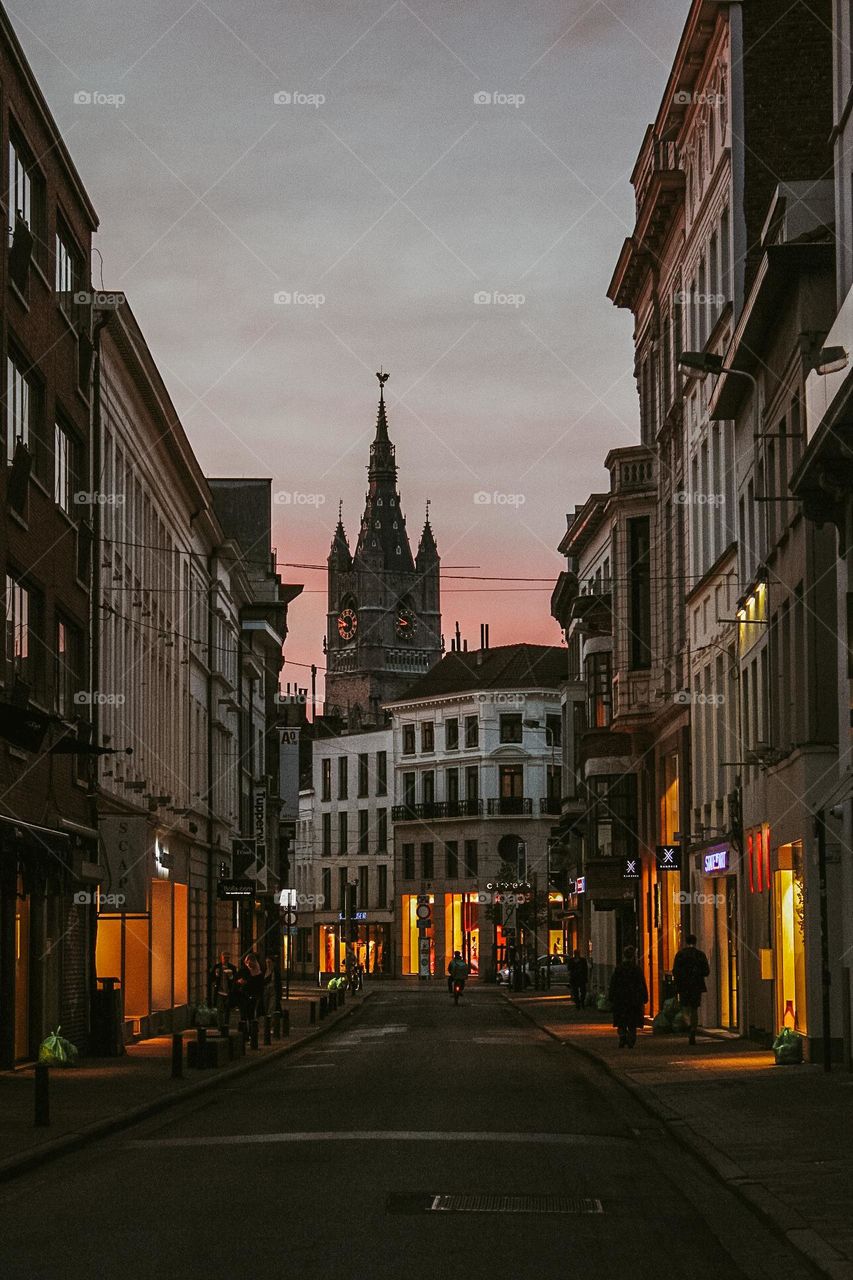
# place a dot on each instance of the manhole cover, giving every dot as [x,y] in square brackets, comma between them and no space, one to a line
[473,1203]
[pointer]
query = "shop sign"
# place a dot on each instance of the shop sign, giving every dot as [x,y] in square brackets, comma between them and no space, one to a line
[259,809]
[125,845]
[631,869]
[580,884]
[227,889]
[242,856]
[668,857]
[715,861]
[356,915]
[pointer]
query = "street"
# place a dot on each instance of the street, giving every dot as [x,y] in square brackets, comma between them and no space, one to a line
[418,1139]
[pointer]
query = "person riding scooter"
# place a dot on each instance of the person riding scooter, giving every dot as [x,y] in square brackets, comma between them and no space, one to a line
[457,972]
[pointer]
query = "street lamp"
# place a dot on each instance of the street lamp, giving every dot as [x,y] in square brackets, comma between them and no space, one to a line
[832,360]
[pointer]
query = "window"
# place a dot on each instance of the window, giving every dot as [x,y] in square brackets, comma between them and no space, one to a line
[427,861]
[599,690]
[327,835]
[640,620]
[554,731]
[343,833]
[428,786]
[343,889]
[27,201]
[23,411]
[326,784]
[471,858]
[511,781]
[428,736]
[452,854]
[68,667]
[451,786]
[408,739]
[362,775]
[472,783]
[408,862]
[381,830]
[327,887]
[363,830]
[382,887]
[409,789]
[472,731]
[24,650]
[382,773]
[511,728]
[64,469]
[451,734]
[68,271]
[363,888]
[343,777]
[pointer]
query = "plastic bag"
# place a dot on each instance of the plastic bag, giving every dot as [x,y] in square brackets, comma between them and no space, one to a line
[681,1022]
[56,1051]
[788,1047]
[671,1007]
[661,1024]
[602,1003]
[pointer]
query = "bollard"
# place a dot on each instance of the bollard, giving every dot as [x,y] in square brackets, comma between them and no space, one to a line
[267,1029]
[177,1057]
[201,1037]
[324,1006]
[312,1012]
[42,1094]
[276,1026]
[254,1035]
[333,1001]
[284,1024]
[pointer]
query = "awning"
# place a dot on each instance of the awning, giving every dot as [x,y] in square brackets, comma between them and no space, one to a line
[30,839]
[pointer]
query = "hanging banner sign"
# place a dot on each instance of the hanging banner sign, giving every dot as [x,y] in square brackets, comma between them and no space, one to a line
[668,857]
[127,849]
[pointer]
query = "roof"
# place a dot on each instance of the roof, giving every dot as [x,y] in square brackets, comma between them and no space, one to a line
[514,666]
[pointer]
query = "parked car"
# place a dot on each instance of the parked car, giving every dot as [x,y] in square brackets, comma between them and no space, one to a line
[558,965]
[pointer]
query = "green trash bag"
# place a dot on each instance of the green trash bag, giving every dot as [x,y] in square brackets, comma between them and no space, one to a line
[602,1003]
[661,1024]
[671,1008]
[56,1051]
[788,1047]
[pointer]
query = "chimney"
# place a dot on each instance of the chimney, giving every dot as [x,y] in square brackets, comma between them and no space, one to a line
[486,645]
[458,639]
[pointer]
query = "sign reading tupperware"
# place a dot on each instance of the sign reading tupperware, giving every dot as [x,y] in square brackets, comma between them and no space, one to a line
[716,861]
[668,857]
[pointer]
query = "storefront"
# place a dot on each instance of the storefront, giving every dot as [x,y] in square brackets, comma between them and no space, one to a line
[148,949]
[412,937]
[716,921]
[462,929]
[370,945]
[789,949]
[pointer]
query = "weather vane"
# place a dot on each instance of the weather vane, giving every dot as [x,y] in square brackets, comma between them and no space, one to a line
[383,378]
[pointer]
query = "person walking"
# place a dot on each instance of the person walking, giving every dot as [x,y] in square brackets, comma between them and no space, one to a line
[578,978]
[222,977]
[250,988]
[628,996]
[689,971]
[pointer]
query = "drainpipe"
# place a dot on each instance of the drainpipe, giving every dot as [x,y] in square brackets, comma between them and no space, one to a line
[211,879]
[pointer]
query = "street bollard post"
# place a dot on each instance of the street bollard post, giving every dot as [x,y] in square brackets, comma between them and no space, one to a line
[177,1056]
[284,1025]
[312,1012]
[276,1025]
[267,1029]
[254,1033]
[201,1037]
[42,1094]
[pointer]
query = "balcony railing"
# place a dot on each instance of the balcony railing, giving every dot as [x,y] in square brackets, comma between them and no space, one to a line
[437,809]
[550,804]
[510,806]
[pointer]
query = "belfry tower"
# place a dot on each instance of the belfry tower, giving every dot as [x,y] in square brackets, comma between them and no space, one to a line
[384,611]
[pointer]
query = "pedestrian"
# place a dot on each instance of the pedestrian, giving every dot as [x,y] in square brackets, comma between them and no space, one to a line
[271,993]
[249,987]
[628,996]
[578,978]
[689,971]
[222,977]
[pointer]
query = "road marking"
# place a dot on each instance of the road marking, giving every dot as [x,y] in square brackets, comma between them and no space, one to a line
[374,1135]
[306,1066]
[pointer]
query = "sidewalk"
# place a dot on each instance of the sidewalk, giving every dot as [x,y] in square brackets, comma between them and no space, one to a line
[781,1137]
[101,1095]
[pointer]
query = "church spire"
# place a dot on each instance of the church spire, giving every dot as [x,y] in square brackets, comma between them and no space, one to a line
[427,551]
[340,552]
[383,465]
[383,542]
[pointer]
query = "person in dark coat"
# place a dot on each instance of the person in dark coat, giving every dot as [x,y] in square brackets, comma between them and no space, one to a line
[249,987]
[628,995]
[578,979]
[689,971]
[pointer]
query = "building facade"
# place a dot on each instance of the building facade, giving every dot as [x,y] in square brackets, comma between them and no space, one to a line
[48,875]
[477,761]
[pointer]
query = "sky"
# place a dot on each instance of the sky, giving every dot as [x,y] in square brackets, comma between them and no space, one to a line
[293,195]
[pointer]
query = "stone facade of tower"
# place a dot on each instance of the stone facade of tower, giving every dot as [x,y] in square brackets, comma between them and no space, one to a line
[384,610]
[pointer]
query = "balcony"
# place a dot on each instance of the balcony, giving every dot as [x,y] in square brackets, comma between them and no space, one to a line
[550,805]
[659,183]
[510,806]
[436,810]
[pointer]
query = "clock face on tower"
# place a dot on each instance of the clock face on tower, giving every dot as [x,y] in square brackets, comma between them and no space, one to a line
[347,623]
[405,623]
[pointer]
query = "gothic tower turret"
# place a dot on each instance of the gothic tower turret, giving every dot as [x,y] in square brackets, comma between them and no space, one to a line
[384,609]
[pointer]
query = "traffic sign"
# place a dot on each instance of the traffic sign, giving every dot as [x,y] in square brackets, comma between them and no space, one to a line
[288,917]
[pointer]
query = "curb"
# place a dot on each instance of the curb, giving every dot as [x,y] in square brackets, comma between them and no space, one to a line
[15,1165]
[781,1218]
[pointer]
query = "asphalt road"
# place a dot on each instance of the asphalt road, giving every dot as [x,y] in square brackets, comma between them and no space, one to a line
[417,1140]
